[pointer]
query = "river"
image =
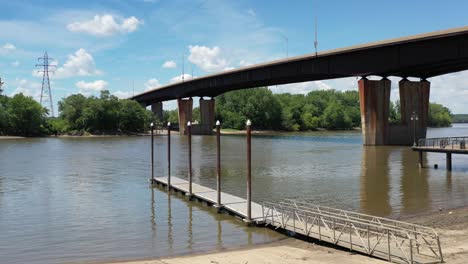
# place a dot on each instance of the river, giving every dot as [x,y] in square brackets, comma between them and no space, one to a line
[88,199]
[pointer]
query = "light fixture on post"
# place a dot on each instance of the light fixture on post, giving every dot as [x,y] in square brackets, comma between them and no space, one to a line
[414,117]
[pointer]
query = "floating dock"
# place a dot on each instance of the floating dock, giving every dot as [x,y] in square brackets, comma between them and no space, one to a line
[232,204]
[387,239]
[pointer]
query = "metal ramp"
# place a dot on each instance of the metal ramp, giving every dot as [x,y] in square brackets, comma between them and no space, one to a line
[387,239]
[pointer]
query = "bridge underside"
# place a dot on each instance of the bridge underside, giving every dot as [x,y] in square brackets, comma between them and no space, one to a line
[421,56]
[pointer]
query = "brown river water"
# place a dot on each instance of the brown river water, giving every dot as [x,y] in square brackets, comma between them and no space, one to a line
[81,200]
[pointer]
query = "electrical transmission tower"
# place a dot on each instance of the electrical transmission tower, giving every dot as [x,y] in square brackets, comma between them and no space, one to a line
[46,93]
[1,84]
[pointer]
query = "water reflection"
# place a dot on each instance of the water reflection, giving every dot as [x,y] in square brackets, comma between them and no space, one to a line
[375,182]
[414,184]
[170,239]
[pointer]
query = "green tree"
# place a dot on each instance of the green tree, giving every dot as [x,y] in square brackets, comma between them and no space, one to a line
[26,117]
[335,117]
[259,105]
[439,116]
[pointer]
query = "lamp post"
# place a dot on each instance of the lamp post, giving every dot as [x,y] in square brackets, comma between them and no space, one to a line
[189,137]
[218,163]
[152,152]
[168,155]
[249,169]
[414,118]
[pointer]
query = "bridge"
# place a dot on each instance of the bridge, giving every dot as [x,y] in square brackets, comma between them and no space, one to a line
[420,56]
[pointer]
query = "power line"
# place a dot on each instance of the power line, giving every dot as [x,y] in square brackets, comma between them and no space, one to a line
[46,93]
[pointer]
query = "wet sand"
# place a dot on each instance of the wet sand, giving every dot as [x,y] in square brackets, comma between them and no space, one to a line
[451,225]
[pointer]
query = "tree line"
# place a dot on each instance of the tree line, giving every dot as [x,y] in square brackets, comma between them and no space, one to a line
[106,114]
[23,116]
[323,109]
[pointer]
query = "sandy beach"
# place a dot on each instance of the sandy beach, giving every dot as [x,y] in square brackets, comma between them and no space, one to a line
[452,226]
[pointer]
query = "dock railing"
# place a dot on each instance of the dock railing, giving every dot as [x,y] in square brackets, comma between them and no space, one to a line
[444,142]
[393,240]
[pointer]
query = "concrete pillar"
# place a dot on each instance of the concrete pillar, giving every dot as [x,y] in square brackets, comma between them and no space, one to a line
[185,113]
[157,109]
[414,97]
[420,160]
[449,161]
[207,116]
[374,97]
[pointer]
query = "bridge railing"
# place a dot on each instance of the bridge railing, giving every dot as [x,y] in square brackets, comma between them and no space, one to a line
[385,238]
[444,143]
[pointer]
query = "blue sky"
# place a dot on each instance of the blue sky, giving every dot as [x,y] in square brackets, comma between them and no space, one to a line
[118,45]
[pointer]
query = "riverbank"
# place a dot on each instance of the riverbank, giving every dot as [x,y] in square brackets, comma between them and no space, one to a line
[10,137]
[451,225]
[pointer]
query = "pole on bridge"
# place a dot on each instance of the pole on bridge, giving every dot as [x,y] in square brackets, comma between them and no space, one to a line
[189,136]
[249,169]
[218,163]
[152,153]
[168,155]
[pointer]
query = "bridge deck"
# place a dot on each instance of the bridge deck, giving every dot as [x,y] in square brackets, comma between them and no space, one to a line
[230,203]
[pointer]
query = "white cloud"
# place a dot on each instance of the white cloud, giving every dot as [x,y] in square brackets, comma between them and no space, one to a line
[451,90]
[251,12]
[151,84]
[106,25]
[81,63]
[179,78]
[27,88]
[122,95]
[169,64]
[90,87]
[300,88]
[9,46]
[208,59]
[244,63]
[15,63]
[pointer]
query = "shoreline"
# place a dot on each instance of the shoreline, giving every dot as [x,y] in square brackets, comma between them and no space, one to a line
[450,224]
[11,137]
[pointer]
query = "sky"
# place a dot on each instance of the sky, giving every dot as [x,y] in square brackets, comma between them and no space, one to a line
[131,46]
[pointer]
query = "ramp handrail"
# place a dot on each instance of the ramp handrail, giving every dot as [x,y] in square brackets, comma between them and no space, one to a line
[393,240]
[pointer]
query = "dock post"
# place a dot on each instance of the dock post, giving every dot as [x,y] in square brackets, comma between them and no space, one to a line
[421,165]
[189,136]
[168,155]
[249,174]
[218,163]
[449,161]
[152,153]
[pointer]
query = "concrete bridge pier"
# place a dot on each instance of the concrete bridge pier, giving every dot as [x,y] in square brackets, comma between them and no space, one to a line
[414,97]
[374,97]
[207,116]
[157,109]
[185,113]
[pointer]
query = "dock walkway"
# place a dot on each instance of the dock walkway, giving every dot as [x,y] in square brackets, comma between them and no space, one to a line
[230,203]
[387,239]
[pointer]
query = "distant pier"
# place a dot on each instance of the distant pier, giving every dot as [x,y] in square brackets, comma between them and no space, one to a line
[447,145]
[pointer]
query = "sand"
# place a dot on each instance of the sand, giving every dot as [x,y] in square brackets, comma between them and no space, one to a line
[451,225]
